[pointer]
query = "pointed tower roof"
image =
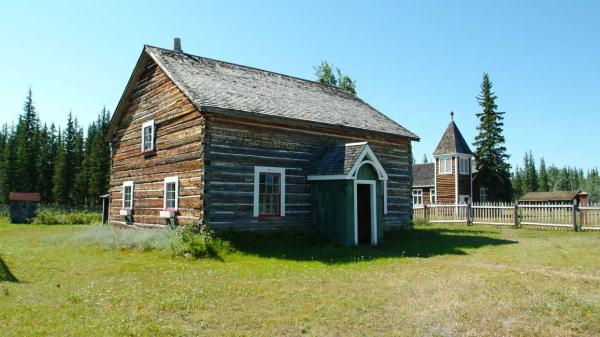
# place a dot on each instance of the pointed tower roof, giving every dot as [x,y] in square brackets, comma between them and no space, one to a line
[452,141]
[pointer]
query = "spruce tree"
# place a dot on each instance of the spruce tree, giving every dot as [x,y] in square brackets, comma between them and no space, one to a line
[27,147]
[46,162]
[544,186]
[8,173]
[425,160]
[60,188]
[531,176]
[98,158]
[490,154]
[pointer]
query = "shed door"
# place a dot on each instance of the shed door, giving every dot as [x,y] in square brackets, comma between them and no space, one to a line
[363,203]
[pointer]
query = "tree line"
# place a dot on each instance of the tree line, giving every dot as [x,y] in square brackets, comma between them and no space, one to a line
[68,167]
[532,178]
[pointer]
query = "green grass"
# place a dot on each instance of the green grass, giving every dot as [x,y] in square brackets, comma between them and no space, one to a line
[433,281]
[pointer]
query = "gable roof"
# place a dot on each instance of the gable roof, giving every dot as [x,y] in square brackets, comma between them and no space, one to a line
[423,175]
[452,142]
[339,159]
[551,196]
[214,86]
[344,162]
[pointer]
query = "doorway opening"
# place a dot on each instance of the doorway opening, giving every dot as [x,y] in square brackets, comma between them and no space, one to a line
[364,215]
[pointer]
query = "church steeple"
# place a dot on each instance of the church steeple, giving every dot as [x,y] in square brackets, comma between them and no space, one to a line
[452,141]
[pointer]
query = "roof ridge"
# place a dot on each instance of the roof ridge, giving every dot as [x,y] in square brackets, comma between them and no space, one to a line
[264,70]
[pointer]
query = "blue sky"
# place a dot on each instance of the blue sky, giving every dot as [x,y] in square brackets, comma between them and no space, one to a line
[415,61]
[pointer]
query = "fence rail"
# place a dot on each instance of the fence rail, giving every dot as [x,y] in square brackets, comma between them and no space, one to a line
[557,216]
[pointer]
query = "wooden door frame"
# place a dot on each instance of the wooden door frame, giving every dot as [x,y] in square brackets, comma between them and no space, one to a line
[373,184]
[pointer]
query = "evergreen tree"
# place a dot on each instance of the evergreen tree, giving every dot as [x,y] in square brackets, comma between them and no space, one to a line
[544,186]
[490,154]
[98,158]
[531,176]
[45,163]
[60,188]
[80,183]
[8,173]
[518,183]
[27,147]
[425,160]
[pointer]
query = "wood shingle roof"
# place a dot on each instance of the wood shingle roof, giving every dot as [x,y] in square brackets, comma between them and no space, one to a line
[452,142]
[423,175]
[211,83]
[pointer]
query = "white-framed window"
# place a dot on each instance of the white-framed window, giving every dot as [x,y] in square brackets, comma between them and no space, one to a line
[432,196]
[128,195]
[269,191]
[445,164]
[483,194]
[171,193]
[417,195]
[148,136]
[463,199]
[464,165]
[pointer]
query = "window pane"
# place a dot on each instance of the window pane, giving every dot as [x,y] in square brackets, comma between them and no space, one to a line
[147,138]
[170,195]
[269,193]
[127,196]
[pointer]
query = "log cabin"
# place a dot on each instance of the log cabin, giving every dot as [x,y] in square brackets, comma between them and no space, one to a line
[202,141]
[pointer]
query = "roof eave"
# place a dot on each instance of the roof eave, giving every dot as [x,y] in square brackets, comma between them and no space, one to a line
[241,113]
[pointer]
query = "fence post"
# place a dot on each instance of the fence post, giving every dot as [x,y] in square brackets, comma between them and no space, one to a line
[469,220]
[575,215]
[516,215]
[425,212]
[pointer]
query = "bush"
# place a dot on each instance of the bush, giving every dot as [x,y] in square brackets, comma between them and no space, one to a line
[57,217]
[200,243]
[184,241]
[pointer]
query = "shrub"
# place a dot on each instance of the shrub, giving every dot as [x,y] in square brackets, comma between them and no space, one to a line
[200,243]
[56,217]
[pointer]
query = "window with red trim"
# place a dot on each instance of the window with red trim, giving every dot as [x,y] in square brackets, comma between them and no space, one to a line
[269,194]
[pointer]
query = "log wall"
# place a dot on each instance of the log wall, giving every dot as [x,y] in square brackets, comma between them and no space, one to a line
[234,146]
[179,135]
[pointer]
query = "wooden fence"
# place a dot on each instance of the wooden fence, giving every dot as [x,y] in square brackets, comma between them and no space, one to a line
[508,214]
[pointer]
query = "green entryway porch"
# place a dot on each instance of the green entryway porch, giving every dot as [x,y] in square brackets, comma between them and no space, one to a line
[348,190]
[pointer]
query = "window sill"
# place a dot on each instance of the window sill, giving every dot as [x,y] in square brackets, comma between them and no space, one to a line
[269,217]
[148,153]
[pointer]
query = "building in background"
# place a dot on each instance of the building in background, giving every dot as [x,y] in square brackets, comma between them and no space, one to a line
[451,178]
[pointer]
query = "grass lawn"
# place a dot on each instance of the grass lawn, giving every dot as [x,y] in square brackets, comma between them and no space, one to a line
[432,281]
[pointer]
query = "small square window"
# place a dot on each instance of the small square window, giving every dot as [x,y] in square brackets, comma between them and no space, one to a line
[445,164]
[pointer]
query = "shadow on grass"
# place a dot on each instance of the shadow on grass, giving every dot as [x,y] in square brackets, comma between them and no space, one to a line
[5,274]
[308,246]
